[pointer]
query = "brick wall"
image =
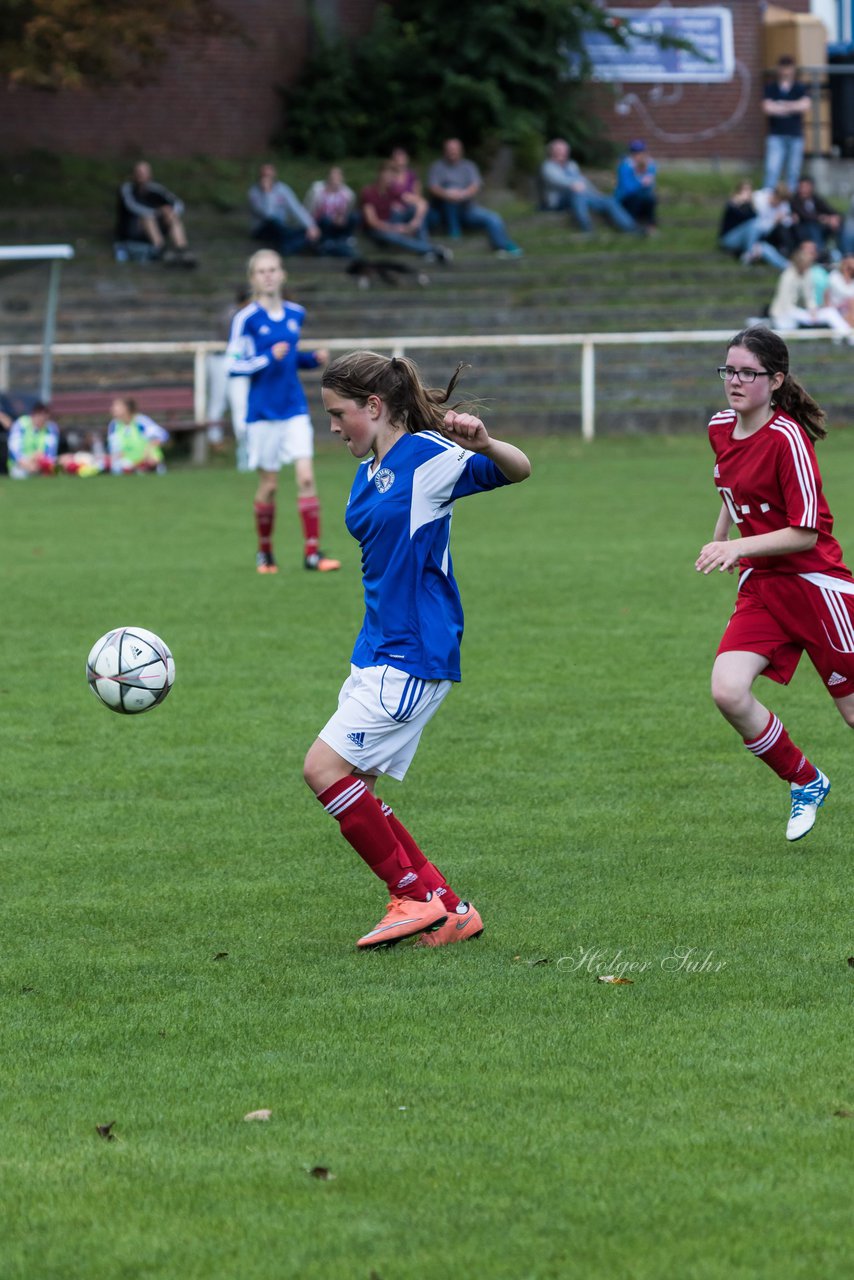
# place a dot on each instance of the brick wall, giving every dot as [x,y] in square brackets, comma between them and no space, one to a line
[699,121]
[219,97]
[213,96]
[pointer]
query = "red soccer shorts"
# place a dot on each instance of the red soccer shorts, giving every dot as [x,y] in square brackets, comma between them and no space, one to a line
[782,615]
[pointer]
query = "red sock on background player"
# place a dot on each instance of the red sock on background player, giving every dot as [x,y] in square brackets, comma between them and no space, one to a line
[309,513]
[265,519]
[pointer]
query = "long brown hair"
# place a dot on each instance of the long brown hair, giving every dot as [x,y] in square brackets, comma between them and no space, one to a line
[397,382]
[773,354]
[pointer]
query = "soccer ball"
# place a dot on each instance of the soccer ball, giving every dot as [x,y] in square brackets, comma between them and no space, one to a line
[130,670]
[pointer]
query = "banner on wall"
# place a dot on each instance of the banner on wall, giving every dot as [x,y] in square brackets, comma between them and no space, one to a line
[644,61]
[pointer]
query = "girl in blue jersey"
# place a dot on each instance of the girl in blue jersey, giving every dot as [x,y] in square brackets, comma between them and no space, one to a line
[419,459]
[263,346]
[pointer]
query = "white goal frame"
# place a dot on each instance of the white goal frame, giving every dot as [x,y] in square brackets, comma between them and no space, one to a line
[55,254]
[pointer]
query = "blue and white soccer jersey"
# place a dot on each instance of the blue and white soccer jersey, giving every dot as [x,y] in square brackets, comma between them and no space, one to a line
[278,426]
[407,653]
[400,513]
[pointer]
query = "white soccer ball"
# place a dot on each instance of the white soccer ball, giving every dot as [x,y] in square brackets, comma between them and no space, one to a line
[130,670]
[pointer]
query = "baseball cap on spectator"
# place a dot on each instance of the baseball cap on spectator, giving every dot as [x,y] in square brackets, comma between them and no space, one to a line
[637,145]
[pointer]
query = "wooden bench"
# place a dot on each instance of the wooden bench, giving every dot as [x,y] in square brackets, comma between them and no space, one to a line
[172,407]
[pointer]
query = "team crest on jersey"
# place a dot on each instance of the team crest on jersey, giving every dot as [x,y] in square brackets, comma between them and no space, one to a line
[293,326]
[384,479]
[265,328]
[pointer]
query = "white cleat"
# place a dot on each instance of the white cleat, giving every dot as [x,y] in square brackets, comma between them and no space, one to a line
[806,802]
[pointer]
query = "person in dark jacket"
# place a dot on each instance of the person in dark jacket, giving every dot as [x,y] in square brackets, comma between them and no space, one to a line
[817,219]
[151,216]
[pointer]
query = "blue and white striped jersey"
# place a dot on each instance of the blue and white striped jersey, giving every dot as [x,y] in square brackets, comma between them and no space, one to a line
[400,514]
[275,392]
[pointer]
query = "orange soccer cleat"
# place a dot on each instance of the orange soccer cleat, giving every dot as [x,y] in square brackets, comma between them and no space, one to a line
[265,562]
[404,919]
[460,926]
[320,563]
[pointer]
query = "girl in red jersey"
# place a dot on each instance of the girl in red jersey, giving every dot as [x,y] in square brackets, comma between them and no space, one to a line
[795,593]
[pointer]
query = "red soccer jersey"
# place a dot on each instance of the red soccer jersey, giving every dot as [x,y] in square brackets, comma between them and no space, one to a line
[771,481]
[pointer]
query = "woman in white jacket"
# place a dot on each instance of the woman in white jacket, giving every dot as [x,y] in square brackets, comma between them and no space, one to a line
[796,304]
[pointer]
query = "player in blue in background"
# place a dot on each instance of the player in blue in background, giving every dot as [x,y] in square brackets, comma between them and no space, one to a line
[264,345]
[419,460]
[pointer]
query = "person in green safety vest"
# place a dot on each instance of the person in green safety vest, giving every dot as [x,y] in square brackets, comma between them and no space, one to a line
[33,443]
[134,440]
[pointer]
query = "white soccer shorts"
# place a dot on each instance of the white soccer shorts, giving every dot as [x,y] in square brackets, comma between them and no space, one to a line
[273,445]
[381,715]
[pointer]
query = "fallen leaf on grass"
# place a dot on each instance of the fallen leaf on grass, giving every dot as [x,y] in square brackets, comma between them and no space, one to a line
[542,960]
[321,1172]
[843,1114]
[851,962]
[615,981]
[25,991]
[105,1131]
[263,1114]
[221,955]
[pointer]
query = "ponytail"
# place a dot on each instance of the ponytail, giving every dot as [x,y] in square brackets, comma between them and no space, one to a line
[397,382]
[795,401]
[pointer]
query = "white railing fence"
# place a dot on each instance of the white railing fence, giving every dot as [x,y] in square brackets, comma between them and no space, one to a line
[399,346]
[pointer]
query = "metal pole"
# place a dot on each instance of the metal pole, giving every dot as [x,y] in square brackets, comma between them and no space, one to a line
[815,95]
[4,371]
[49,329]
[588,390]
[200,405]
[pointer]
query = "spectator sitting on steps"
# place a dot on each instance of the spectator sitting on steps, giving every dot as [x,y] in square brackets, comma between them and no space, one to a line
[453,182]
[564,187]
[406,180]
[635,189]
[743,232]
[816,218]
[149,222]
[279,220]
[840,289]
[796,305]
[332,205]
[399,221]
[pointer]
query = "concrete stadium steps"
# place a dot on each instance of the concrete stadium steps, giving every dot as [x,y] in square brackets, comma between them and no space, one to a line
[602,290]
[613,283]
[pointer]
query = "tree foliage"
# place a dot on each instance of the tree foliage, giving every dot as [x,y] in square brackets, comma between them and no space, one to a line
[64,44]
[501,70]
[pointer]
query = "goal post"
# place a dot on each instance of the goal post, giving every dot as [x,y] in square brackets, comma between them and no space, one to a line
[54,255]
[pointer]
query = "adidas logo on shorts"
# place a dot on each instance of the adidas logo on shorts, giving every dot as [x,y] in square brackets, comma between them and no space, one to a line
[357,739]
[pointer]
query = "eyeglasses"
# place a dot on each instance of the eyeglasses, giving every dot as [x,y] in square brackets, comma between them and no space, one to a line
[726,373]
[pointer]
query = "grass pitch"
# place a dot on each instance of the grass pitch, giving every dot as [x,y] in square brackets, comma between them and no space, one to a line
[179,914]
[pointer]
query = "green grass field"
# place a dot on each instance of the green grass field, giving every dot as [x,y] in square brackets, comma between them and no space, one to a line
[488,1110]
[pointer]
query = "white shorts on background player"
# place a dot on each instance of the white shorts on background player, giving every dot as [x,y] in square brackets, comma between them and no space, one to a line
[381,715]
[273,445]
